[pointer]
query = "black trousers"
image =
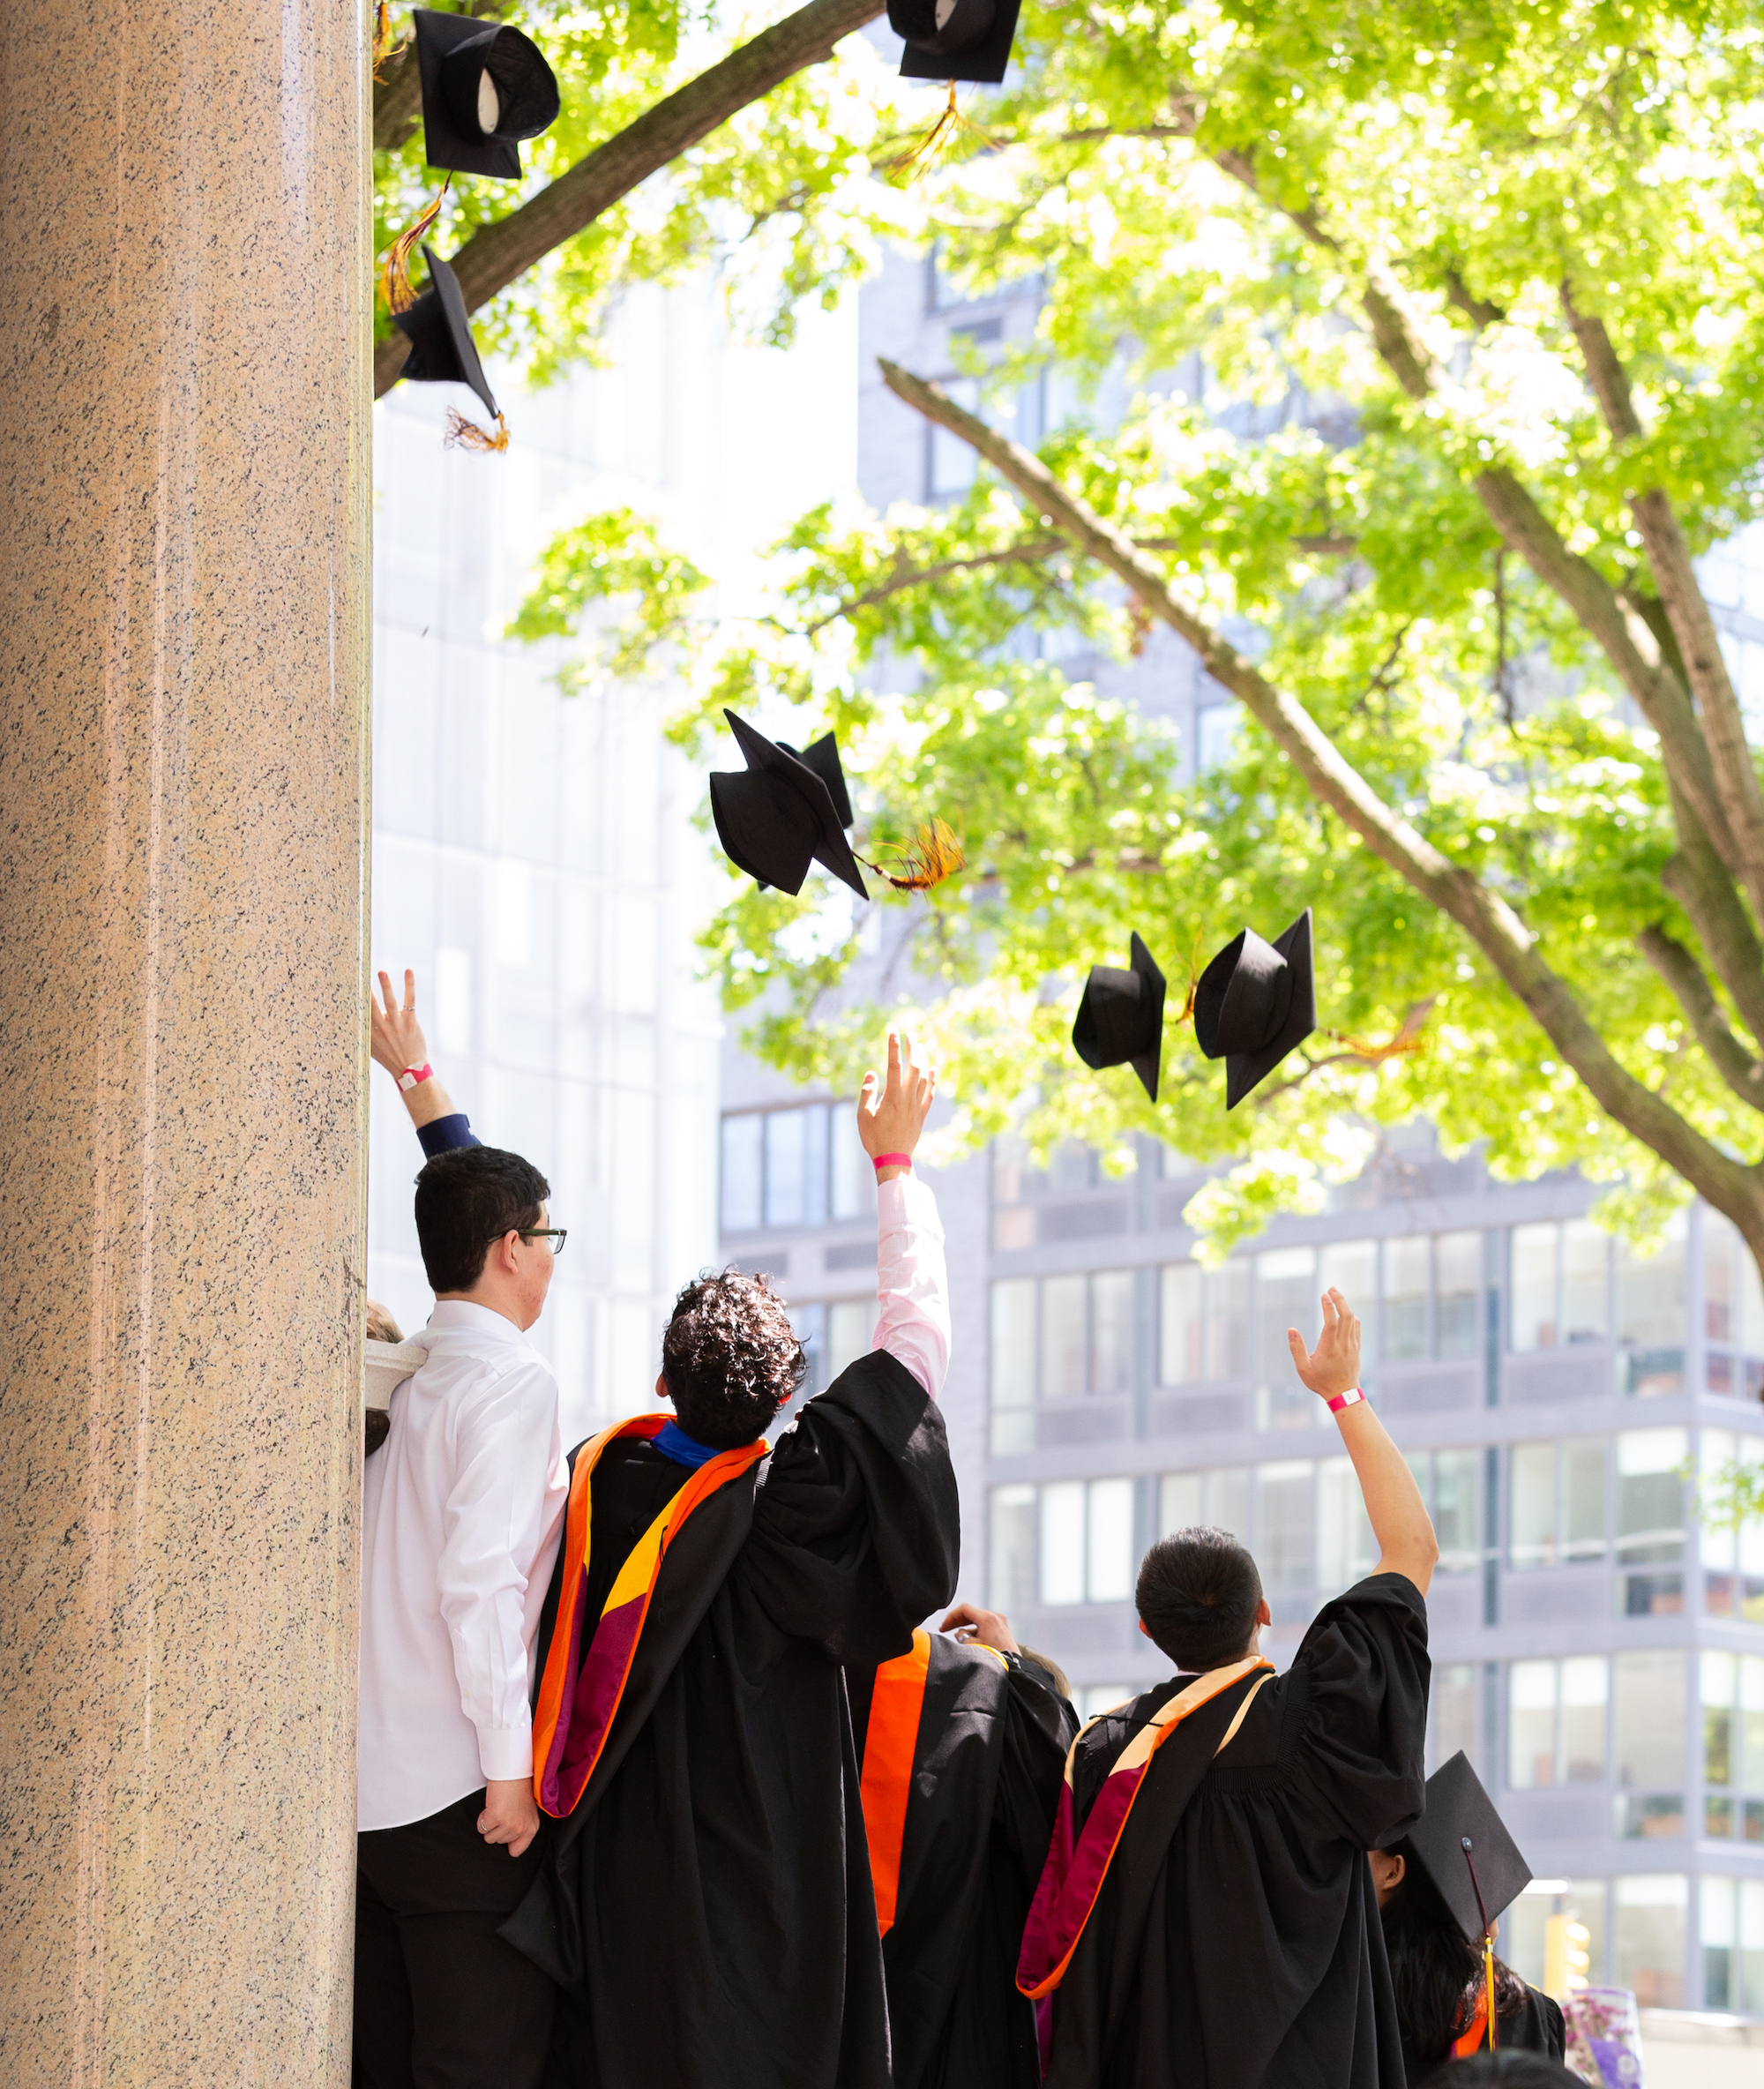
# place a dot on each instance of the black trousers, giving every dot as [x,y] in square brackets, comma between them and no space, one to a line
[441,2001]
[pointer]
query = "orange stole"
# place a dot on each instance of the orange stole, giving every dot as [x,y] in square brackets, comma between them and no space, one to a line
[584,1682]
[889,1740]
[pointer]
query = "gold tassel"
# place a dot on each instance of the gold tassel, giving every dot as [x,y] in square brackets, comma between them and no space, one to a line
[1488,1967]
[467,435]
[383,46]
[932,855]
[1409,1036]
[925,151]
[1193,979]
[395,269]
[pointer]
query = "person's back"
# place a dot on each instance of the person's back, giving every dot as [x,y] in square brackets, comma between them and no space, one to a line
[706,1906]
[1207,1913]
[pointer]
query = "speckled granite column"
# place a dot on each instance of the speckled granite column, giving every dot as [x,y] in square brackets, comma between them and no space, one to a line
[184,278]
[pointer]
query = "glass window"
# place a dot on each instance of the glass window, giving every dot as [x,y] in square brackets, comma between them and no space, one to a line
[851,1333]
[854,1176]
[1405,1296]
[1721,1313]
[1064,1337]
[1227,1320]
[1650,1492]
[1457,1522]
[1650,1308]
[1013,1342]
[1011,1569]
[786,1145]
[1227,1501]
[1586,1261]
[1286,1296]
[1650,1737]
[1458,1294]
[1092,1702]
[1530,1724]
[742,1171]
[1111,1561]
[953,462]
[1180,1327]
[1719,1683]
[1457,1711]
[1180,1496]
[1215,733]
[1286,1536]
[1752,1729]
[1583,1497]
[1586,1686]
[1111,1331]
[1532,1277]
[1350,1267]
[1531,1505]
[1062,1542]
[1346,1550]
[1649,1938]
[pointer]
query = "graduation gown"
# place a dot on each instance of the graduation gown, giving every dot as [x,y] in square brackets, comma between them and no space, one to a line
[1235,1941]
[1533,2024]
[706,1908]
[963,1833]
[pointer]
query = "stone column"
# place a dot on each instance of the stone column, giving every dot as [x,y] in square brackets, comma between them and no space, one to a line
[184,285]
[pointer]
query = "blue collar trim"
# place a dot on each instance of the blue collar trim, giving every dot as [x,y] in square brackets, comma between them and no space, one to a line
[673,1443]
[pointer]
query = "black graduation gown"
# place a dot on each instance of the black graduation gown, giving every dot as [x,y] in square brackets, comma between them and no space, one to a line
[987,1764]
[706,1908]
[1260,1963]
[1533,2025]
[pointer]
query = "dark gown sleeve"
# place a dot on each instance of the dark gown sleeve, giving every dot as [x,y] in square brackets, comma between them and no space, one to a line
[442,1135]
[1365,1671]
[857,1529]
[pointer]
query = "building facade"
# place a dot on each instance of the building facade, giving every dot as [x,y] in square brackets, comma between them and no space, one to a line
[1565,1401]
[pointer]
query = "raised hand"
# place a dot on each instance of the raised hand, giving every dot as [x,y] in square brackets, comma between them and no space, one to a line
[1333,1366]
[980,1628]
[890,1115]
[397,1036]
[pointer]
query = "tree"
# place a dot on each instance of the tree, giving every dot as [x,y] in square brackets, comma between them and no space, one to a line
[1513,263]
[617,128]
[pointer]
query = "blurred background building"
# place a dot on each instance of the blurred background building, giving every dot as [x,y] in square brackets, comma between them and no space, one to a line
[1599,1657]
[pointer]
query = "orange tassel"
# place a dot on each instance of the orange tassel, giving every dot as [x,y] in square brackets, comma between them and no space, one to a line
[395,269]
[467,435]
[924,152]
[383,46]
[1409,1036]
[1193,979]
[932,855]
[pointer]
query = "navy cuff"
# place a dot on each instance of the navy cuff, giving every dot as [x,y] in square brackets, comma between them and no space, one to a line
[442,1135]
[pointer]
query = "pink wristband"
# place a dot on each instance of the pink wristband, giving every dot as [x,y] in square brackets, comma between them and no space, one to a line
[1350,1398]
[891,1160]
[415,1076]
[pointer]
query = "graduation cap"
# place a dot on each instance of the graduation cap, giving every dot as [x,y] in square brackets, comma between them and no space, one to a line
[1254,1002]
[1121,1017]
[443,352]
[1462,1844]
[484,86]
[966,40]
[780,813]
[822,756]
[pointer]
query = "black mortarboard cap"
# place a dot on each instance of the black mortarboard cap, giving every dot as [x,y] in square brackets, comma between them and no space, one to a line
[1461,1832]
[965,39]
[1254,1002]
[822,756]
[463,63]
[441,350]
[777,815]
[1121,1017]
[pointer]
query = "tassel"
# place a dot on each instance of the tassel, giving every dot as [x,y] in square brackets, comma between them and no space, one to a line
[925,151]
[1488,1968]
[395,269]
[1409,1036]
[932,855]
[467,435]
[383,46]
[1193,979]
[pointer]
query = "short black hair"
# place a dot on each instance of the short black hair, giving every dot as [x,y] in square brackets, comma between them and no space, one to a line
[1514,2069]
[730,1357]
[466,1198]
[1198,1592]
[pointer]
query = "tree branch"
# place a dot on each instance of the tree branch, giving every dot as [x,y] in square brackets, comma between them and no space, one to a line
[1669,559]
[496,253]
[1668,957]
[1698,881]
[1485,917]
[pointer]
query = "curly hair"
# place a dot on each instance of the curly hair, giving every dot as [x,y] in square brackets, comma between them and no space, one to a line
[730,1357]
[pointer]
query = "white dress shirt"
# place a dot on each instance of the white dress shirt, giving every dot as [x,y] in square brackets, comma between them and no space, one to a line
[912,1284]
[462,1508]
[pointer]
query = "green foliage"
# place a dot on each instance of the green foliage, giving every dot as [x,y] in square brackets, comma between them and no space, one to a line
[1476,162]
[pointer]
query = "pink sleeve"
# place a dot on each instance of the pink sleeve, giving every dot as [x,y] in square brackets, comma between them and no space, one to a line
[912,1284]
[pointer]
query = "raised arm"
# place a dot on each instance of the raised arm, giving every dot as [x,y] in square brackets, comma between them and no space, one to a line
[1398,1515]
[398,1045]
[911,1281]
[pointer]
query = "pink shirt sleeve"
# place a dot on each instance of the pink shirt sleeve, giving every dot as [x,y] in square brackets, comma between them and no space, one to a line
[912,1284]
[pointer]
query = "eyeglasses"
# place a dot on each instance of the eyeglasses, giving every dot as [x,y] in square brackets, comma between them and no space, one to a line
[556,1235]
